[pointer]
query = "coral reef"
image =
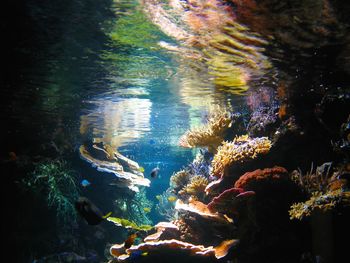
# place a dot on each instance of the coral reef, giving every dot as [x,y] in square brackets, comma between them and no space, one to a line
[326,191]
[228,201]
[165,230]
[241,149]
[174,247]
[321,202]
[247,180]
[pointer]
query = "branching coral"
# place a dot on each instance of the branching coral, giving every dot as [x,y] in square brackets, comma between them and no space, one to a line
[60,185]
[241,149]
[210,135]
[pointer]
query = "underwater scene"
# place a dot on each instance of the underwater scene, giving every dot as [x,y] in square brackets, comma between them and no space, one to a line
[175,131]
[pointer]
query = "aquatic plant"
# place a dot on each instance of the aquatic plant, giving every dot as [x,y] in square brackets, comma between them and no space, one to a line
[166,205]
[241,149]
[211,134]
[135,208]
[60,185]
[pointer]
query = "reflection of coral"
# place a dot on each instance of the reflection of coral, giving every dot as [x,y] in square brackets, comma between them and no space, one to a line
[240,149]
[304,24]
[195,187]
[246,180]
[211,135]
[232,53]
[125,179]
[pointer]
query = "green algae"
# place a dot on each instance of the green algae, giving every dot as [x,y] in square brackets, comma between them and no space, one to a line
[129,224]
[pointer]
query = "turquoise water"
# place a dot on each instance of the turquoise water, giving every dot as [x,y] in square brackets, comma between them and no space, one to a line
[92,73]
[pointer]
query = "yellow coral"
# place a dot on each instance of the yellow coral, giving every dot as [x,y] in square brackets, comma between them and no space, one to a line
[319,201]
[196,187]
[210,135]
[179,179]
[240,149]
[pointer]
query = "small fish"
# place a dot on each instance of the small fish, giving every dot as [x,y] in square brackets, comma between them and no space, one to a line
[85,183]
[159,197]
[130,240]
[155,172]
[90,212]
[141,169]
[137,254]
[172,198]
[147,209]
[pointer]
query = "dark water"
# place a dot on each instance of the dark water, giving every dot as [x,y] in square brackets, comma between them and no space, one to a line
[65,82]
